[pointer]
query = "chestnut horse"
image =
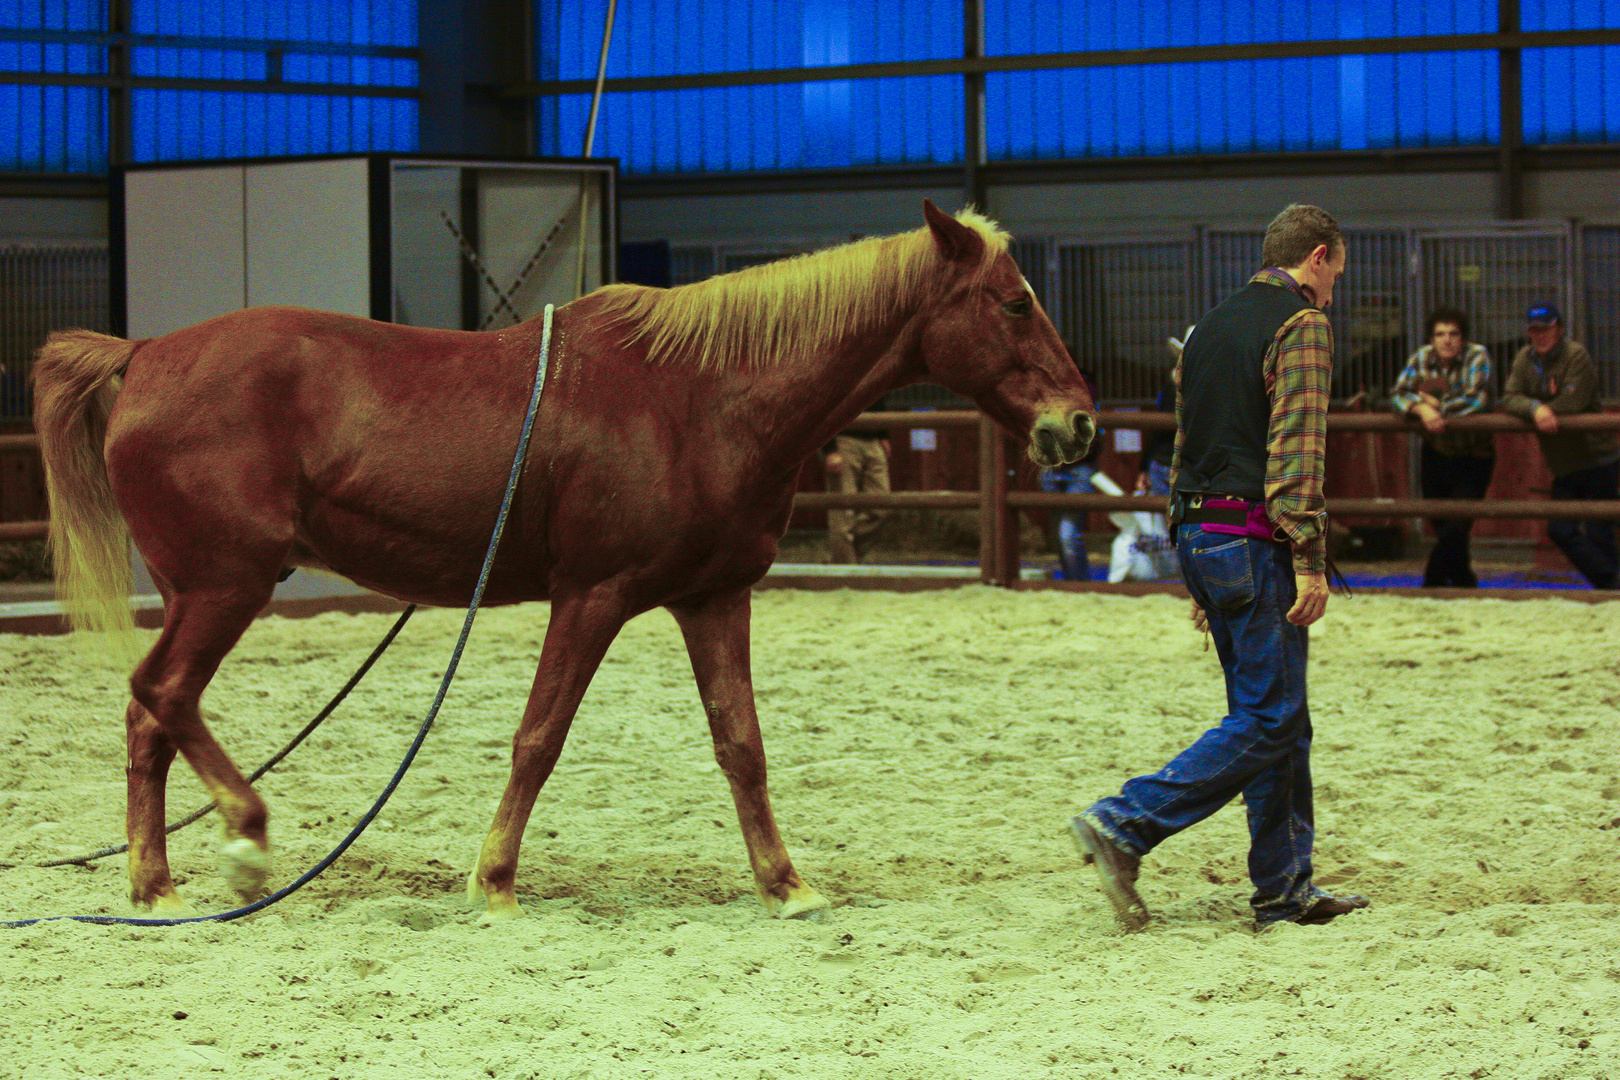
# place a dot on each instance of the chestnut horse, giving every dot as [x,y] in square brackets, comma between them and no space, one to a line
[665,457]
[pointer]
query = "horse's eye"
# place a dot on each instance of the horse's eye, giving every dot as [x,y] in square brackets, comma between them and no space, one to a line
[1021,308]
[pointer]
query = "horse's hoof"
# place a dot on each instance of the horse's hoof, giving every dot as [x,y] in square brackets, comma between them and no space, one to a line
[802,903]
[245,867]
[164,906]
[497,915]
[501,907]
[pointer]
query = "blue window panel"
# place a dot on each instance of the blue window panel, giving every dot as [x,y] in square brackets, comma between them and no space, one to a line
[181,125]
[1245,106]
[53,129]
[53,14]
[691,37]
[789,126]
[1569,14]
[1014,27]
[37,56]
[344,22]
[197,64]
[353,70]
[1572,95]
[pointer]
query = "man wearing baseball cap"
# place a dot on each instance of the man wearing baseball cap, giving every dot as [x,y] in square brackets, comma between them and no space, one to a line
[1554,376]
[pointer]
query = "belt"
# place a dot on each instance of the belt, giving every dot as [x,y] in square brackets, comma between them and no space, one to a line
[1234,517]
[1218,509]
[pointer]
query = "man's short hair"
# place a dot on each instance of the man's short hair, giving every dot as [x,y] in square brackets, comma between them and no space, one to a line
[1455,316]
[1298,231]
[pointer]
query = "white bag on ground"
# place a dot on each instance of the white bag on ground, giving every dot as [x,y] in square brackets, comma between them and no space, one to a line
[1142,550]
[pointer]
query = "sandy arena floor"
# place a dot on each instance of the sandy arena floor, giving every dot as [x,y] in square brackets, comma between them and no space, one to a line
[927,751]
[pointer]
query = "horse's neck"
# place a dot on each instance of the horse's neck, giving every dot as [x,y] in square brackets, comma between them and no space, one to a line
[796,407]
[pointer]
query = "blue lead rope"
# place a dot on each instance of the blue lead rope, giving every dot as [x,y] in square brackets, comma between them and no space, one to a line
[427,723]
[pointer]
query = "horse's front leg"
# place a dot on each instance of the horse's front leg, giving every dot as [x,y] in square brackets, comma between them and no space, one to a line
[716,632]
[582,627]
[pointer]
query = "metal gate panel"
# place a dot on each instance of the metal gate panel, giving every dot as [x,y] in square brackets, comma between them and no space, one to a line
[1371,310]
[1118,303]
[733,259]
[44,287]
[1600,298]
[1495,276]
[690,263]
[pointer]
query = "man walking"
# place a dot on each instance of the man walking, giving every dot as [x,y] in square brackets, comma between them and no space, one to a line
[1554,376]
[1247,512]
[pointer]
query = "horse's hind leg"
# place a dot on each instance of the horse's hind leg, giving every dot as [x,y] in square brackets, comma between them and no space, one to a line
[150,754]
[199,628]
[716,632]
[581,629]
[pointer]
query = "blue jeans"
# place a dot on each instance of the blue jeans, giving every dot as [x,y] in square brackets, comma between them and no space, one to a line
[1261,750]
[1158,479]
[1589,545]
[1072,480]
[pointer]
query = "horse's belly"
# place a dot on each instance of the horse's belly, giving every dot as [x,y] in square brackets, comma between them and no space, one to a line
[421,564]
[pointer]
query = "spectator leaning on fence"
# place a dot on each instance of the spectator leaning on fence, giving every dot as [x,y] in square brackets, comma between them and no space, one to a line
[1447,378]
[1554,376]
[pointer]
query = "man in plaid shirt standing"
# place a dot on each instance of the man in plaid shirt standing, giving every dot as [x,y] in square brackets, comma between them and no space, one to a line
[1251,532]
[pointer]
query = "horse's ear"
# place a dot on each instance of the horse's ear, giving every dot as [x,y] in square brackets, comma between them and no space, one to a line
[956,242]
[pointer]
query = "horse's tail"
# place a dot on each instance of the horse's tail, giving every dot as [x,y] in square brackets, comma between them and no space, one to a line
[76,379]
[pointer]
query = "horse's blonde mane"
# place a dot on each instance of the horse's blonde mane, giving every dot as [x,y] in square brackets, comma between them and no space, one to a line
[800,306]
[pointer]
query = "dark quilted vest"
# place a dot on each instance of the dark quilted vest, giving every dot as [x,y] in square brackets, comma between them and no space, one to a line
[1224,406]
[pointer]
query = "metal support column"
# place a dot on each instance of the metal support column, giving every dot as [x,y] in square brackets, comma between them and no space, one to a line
[973,152]
[118,95]
[1510,166]
[989,469]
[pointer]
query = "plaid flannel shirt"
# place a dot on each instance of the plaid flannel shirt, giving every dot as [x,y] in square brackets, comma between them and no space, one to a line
[1298,369]
[1468,383]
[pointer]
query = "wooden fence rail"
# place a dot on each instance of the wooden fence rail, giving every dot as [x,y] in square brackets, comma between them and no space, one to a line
[998,539]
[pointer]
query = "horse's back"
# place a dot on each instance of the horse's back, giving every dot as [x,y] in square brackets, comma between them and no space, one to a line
[340,441]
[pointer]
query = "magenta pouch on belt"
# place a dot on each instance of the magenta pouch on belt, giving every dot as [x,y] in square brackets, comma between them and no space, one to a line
[1257,525]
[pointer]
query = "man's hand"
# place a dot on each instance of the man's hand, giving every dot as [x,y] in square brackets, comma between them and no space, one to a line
[1141,482]
[1311,601]
[1200,621]
[1546,420]
[1432,420]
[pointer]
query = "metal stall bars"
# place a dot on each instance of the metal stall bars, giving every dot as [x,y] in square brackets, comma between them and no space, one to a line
[1495,274]
[1118,301]
[1598,253]
[1372,314]
[44,287]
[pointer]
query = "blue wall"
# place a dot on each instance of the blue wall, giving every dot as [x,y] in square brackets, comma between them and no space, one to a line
[1355,102]
[64,129]
[1242,106]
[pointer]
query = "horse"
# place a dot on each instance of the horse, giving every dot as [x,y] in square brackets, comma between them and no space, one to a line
[665,456]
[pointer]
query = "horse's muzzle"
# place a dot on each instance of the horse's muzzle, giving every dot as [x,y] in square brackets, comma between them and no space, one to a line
[1058,441]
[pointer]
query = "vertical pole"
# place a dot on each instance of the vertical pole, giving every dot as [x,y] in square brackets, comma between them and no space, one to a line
[1007,546]
[118,122]
[973,152]
[989,439]
[472,294]
[1509,168]
[590,141]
